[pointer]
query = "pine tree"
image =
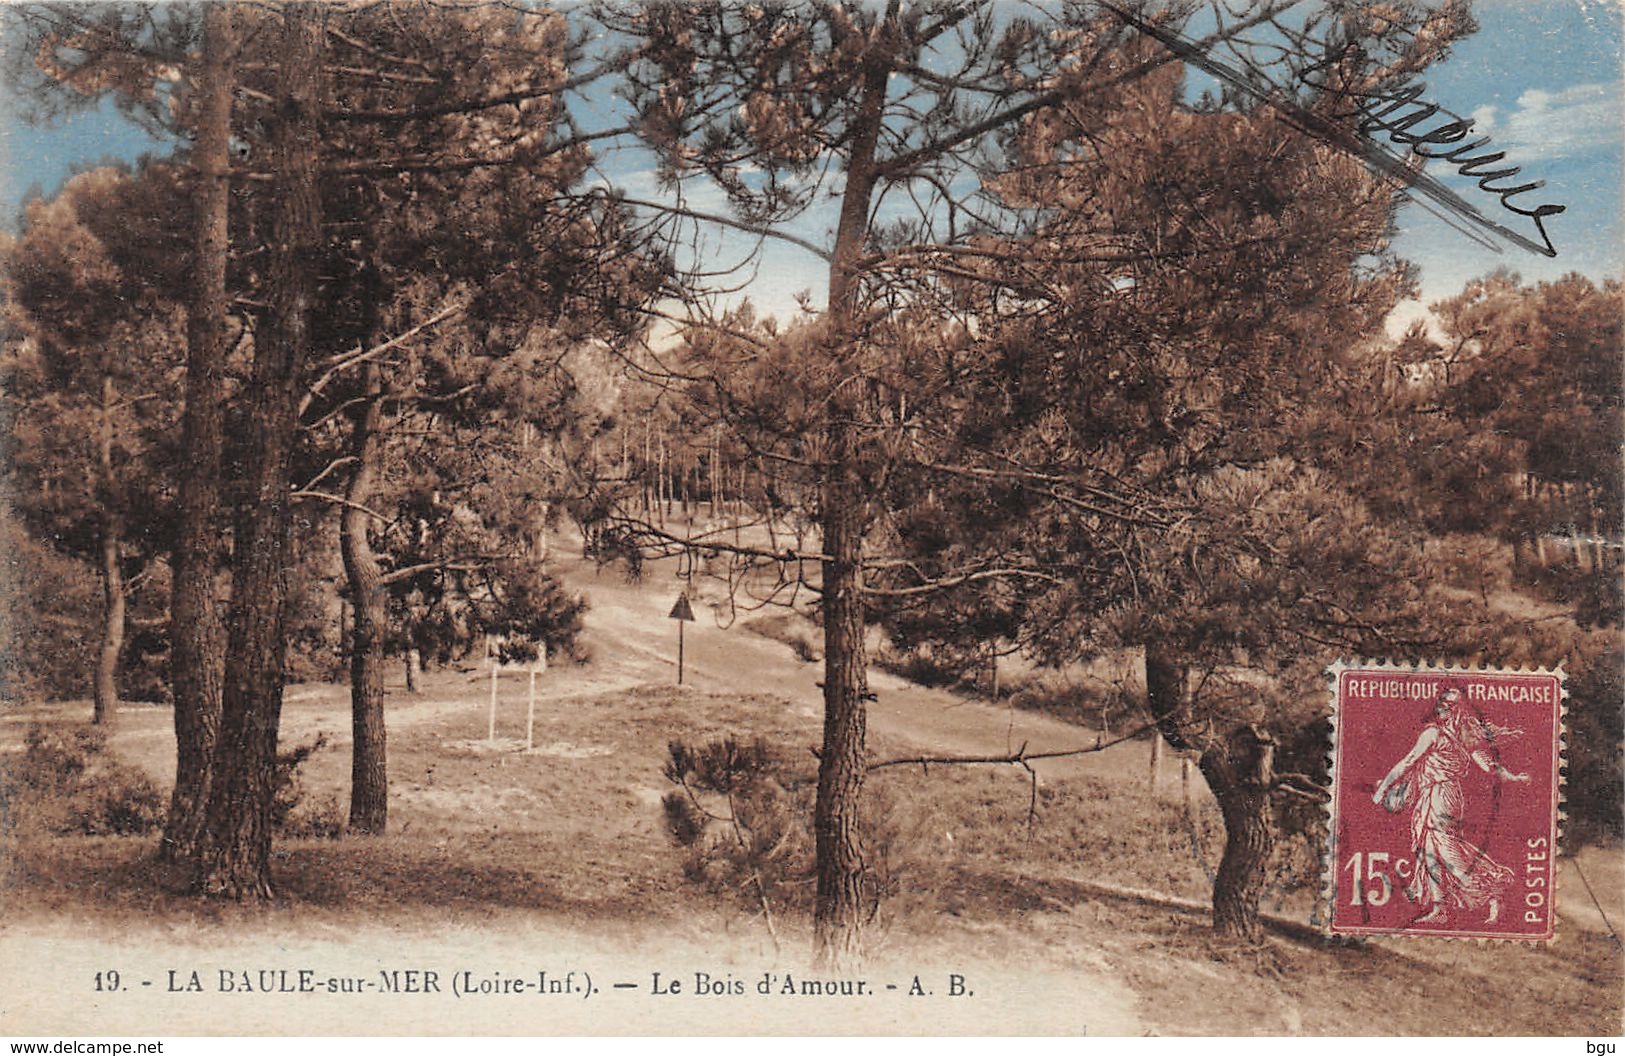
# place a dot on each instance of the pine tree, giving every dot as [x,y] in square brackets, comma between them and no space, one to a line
[93,305]
[235,842]
[1148,358]
[915,108]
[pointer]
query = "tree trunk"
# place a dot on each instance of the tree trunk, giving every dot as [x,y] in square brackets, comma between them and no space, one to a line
[839,912]
[1239,771]
[643,471]
[843,502]
[234,859]
[770,513]
[1239,768]
[414,669]
[369,781]
[1165,691]
[195,635]
[662,506]
[112,569]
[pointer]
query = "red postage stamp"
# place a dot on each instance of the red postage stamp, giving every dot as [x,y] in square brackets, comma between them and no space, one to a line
[1445,798]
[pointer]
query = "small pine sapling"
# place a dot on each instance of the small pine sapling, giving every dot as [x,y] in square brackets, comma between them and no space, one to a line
[743,828]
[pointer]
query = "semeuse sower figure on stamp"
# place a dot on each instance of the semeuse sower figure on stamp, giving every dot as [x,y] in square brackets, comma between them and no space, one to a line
[1449,872]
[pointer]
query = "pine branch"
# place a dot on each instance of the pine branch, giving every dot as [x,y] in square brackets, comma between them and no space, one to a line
[934,151]
[760,230]
[457,564]
[709,542]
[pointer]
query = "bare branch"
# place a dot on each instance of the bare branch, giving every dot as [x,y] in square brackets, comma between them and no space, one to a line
[346,360]
[1300,785]
[465,106]
[330,467]
[338,500]
[949,582]
[1020,757]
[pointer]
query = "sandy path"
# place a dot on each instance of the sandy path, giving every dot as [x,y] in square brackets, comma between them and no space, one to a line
[630,622]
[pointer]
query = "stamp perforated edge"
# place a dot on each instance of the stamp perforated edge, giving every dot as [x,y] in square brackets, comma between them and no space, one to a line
[1328,883]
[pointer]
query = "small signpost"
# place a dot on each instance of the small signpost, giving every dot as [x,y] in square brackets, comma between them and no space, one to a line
[533,667]
[683,613]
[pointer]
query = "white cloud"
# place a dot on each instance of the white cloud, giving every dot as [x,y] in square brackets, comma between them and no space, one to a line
[1548,125]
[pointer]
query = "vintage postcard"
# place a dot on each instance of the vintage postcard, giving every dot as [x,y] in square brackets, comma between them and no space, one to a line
[811,518]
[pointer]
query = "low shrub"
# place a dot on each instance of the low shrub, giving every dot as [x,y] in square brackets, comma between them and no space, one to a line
[789,628]
[1104,705]
[325,819]
[56,759]
[50,624]
[291,816]
[805,649]
[924,667]
[119,801]
[743,814]
[67,782]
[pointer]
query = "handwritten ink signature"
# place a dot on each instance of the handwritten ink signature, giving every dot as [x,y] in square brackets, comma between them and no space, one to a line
[1454,129]
[1409,109]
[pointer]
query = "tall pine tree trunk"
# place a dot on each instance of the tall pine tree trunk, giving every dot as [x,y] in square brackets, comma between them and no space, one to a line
[838,916]
[369,782]
[112,567]
[1239,768]
[843,512]
[1239,771]
[234,859]
[195,634]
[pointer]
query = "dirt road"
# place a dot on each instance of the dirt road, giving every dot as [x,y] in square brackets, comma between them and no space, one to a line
[630,631]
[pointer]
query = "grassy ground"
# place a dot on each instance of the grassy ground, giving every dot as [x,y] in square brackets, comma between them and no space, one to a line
[496,854]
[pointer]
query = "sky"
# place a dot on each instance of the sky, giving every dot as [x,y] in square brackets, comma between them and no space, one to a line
[1542,78]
